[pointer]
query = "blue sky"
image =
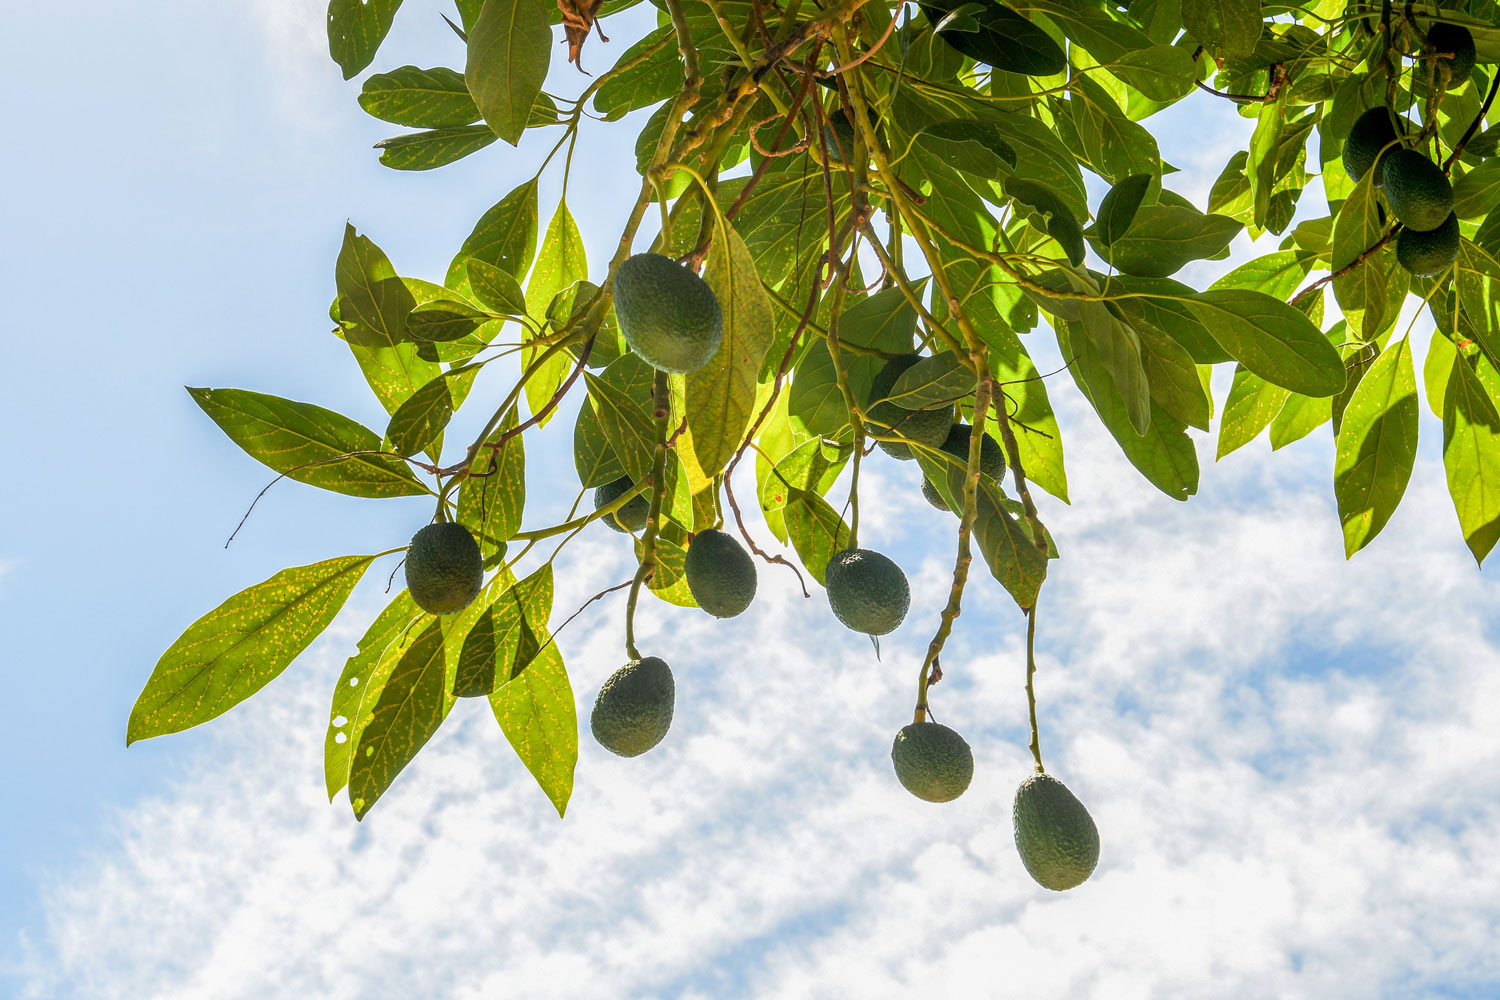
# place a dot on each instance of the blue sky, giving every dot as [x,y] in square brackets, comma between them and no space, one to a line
[1291,758]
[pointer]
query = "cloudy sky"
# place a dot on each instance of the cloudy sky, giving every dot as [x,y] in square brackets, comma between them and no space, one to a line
[1292,759]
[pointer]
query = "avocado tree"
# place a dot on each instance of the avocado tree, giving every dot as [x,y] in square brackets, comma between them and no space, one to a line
[866,211]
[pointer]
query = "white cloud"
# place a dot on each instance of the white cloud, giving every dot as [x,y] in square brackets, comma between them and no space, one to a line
[1291,760]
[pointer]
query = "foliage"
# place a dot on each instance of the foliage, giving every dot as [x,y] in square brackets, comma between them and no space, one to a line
[947,145]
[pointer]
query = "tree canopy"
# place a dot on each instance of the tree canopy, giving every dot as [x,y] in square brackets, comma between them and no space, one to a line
[865,213]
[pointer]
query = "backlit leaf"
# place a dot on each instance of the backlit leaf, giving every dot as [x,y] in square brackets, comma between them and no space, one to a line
[241,646]
[308,443]
[510,47]
[407,714]
[1377,445]
[355,30]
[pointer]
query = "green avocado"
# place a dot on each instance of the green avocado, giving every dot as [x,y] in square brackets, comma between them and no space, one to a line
[1457,39]
[1055,834]
[629,518]
[669,315]
[634,708]
[929,427]
[932,761]
[1372,132]
[991,460]
[720,574]
[1416,189]
[867,591]
[444,568]
[1427,253]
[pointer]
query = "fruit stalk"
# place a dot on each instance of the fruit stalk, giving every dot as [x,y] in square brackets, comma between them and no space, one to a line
[982,394]
[661,403]
[1036,743]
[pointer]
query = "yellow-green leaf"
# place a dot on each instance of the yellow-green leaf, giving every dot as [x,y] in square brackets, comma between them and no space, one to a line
[1471,456]
[721,394]
[354,684]
[409,710]
[241,646]
[1377,445]
[537,715]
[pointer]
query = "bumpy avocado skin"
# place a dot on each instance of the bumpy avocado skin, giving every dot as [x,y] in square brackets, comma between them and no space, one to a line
[1416,189]
[1055,834]
[1371,133]
[1457,39]
[720,574]
[991,460]
[634,708]
[933,762]
[929,427]
[629,518]
[669,315]
[867,591]
[444,568]
[1429,253]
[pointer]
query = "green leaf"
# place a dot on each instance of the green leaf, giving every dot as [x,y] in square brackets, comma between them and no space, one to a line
[1360,293]
[1478,283]
[1000,37]
[355,30]
[474,677]
[419,98]
[649,81]
[1228,29]
[308,443]
[510,48]
[1113,145]
[1377,445]
[1162,73]
[349,694]
[433,148]
[1117,210]
[935,381]
[816,530]
[1166,237]
[407,714]
[811,467]
[1471,457]
[418,421]
[721,394]
[560,265]
[1011,555]
[373,305]
[1251,406]
[241,646]
[504,236]
[537,715]
[1299,417]
[593,456]
[1261,166]
[1058,220]
[977,148]
[492,499]
[1172,375]
[1477,193]
[444,319]
[1164,454]
[1272,339]
[627,427]
[1118,351]
[495,288]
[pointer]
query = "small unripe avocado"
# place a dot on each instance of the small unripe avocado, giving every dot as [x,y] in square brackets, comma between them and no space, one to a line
[991,460]
[1371,133]
[1457,39]
[444,568]
[867,591]
[929,427]
[932,761]
[720,574]
[1429,253]
[1417,189]
[669,315]
[1055,834]
[629,518]
[634,708]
